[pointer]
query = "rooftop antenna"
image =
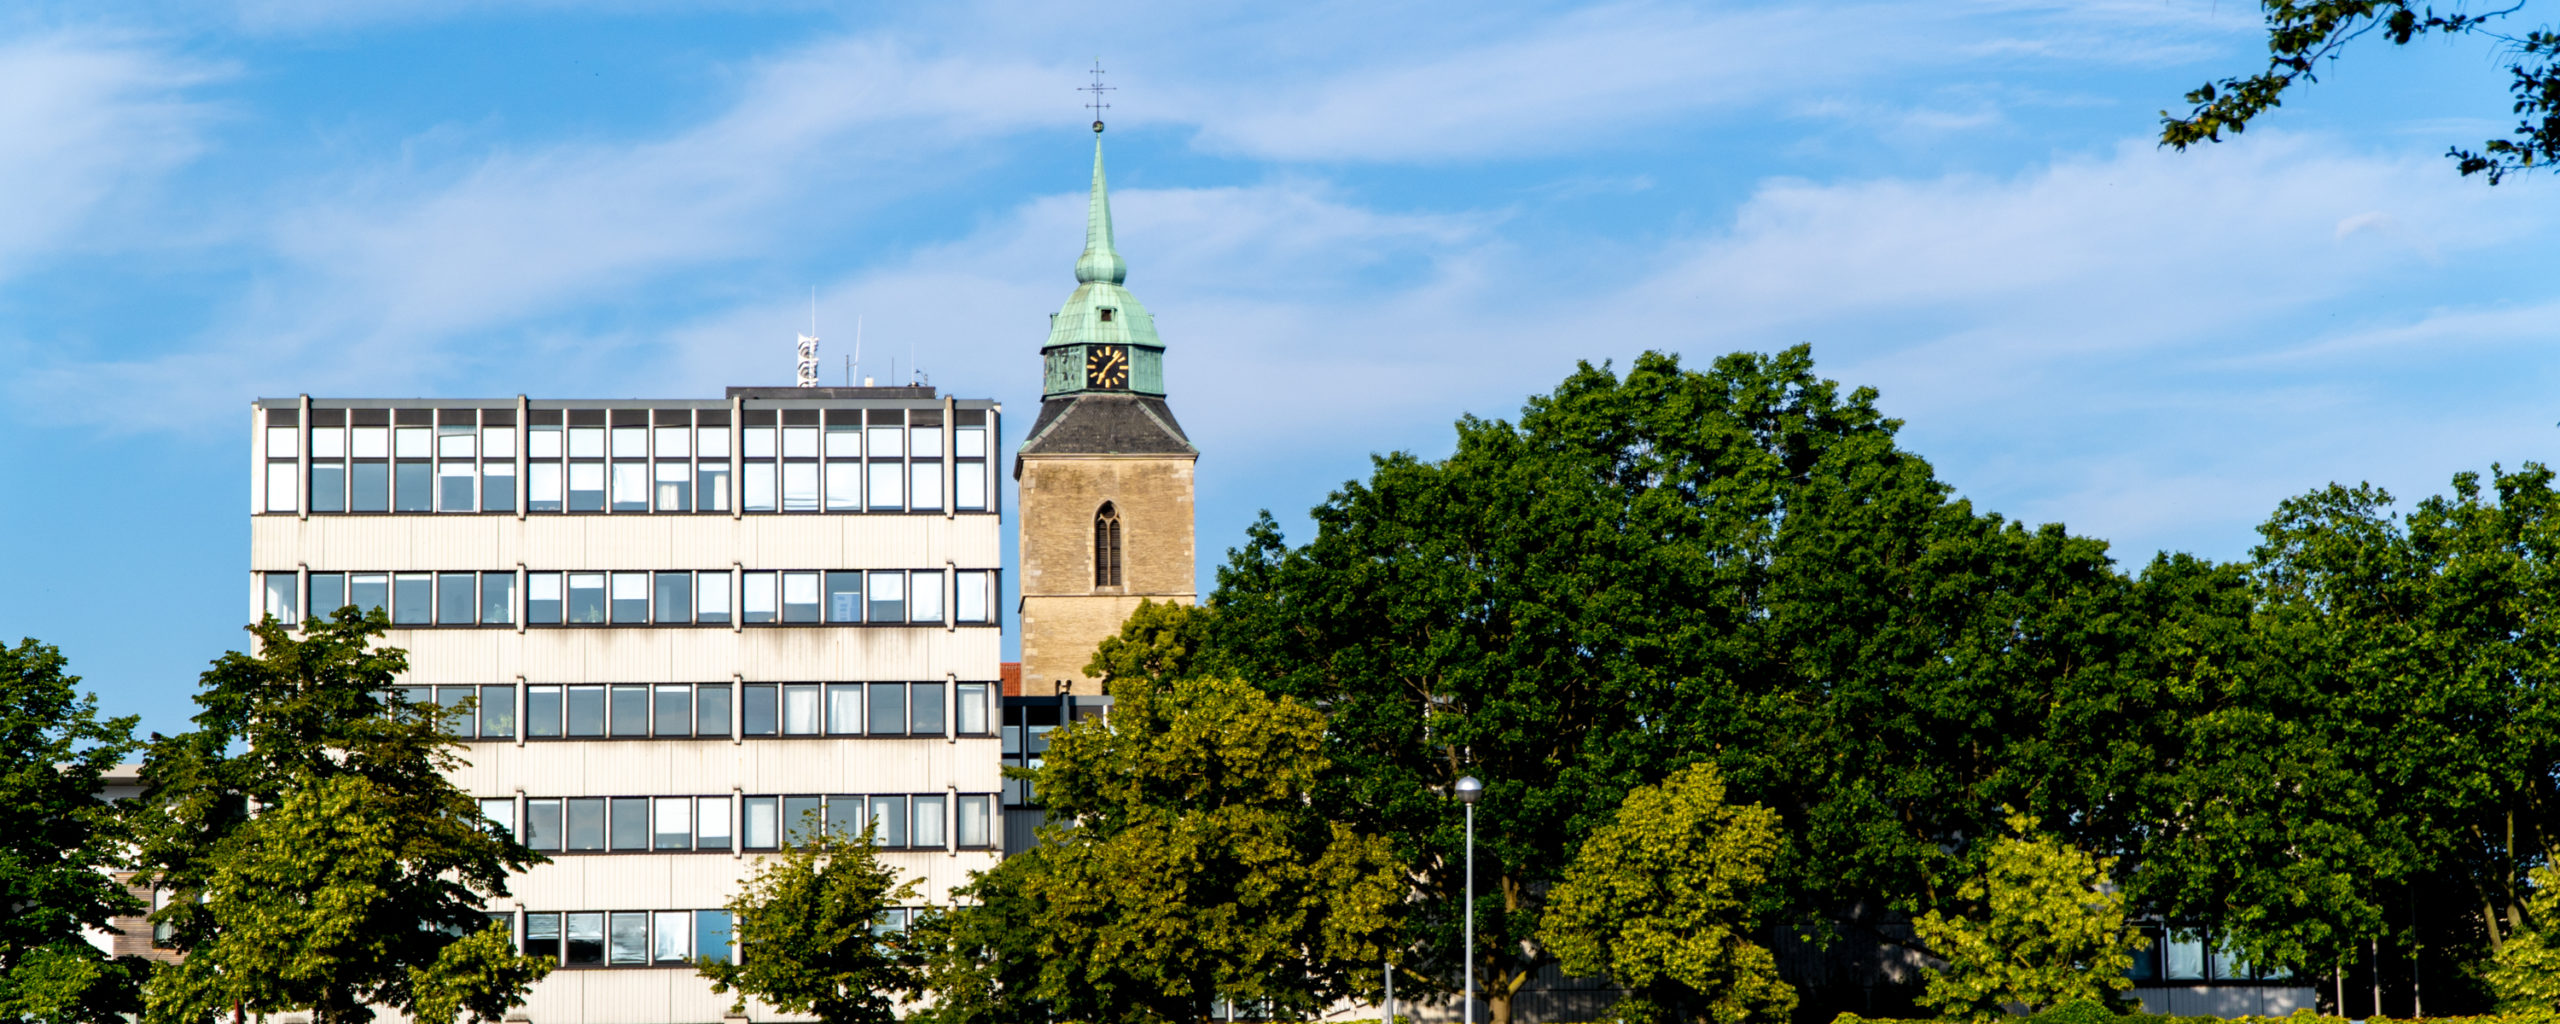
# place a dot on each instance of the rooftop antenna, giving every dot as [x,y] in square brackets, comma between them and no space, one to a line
[809,346]
[1097,89]
[857,349]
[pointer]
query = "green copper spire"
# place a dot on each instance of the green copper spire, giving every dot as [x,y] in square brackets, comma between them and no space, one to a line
[1101,261]
[1101,313]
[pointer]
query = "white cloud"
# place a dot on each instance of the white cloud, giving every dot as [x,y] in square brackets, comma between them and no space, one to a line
[89,120]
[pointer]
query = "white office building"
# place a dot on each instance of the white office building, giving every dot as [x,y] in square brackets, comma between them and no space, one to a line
[689,625]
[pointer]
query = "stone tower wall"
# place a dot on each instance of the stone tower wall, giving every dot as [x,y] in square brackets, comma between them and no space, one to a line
[1063,614]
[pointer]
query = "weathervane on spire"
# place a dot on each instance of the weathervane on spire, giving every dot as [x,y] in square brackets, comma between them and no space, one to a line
[1097,89]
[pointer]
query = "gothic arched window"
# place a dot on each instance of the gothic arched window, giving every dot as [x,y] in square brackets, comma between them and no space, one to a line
[1106,547]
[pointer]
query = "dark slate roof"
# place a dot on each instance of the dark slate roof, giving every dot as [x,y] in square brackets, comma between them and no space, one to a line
[1106,424]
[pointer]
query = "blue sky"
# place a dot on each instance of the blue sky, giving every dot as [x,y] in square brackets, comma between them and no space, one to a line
[1354,221]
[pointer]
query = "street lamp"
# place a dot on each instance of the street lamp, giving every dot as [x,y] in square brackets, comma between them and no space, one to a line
[1468,790]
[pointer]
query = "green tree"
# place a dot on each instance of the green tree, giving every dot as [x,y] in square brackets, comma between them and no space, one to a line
[58,842]
[811,936]
[2524,975]
[2304,34]
[981,959]
[361,881]
[1664,901]
[1183,864]
[2049,929]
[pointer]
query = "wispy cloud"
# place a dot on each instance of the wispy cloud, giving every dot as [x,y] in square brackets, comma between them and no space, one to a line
[90,120]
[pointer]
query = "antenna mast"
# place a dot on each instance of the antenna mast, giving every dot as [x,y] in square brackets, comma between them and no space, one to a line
[808,375]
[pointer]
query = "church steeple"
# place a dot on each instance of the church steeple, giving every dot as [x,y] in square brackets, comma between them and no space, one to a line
[1103,340]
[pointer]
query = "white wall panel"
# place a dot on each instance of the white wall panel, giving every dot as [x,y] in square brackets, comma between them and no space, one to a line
[579,654]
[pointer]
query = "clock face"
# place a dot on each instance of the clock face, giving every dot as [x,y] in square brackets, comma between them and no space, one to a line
[1106,367]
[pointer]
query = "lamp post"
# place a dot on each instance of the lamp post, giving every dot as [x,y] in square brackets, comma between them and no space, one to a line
[1468,790]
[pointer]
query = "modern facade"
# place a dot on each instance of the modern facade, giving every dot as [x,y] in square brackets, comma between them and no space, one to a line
[691,628]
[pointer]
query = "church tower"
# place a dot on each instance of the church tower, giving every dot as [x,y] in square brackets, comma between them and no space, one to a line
[1105,474]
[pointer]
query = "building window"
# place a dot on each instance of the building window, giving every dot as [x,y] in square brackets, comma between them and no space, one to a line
[969,709]
[971,827]
[969,455]
[1106,547]
[971,596]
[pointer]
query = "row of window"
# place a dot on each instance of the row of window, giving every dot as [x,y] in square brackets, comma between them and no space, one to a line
[666,461]
[702,711]
[720,824]
[649,938]
[2172,957]
[678,597]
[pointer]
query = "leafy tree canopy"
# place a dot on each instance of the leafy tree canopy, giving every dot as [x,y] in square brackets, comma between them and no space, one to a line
[2302,34]
[811,937]
[2047,928]
[58,841]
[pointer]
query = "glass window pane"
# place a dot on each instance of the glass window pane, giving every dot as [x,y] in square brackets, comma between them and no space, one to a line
[328,487]
[711,487]
[844,597]
[844,709]
[630,486]
[498,487]
[328,442]
[758,713]
[802,816]
[799,442]
[799,597]
[800,487]
[586,597]
[542,602]
[760,487]
[502,812]
[674,600]
[844,486]
[924,442]
[760,823]
[711,823]
[369,487]
[542,487]
[674,487]
[924,596]
[369,442]
[328,594]
[671,937]
[412,487]
[845,815]
[800,709]
[542,442]
[711,935]
[542,824]
[887,442]
[412,599]
[586,711]
[969,486]
[925,494]
[455,442]
[282,495]
[971,828]
[630,711]
[757,442]
[672,442]
[411,442]
[630,939]
[928,827]
[885,490]
[888,709]
[969,709]
[586,487]
[586,442]
[457,599]
[889,820]
[630,442]
[711,599]
[586,823]
[454,490]
[758,599]
[497,442]
[888,597]
[542,936]
[711,710]
[2186,958]
[541,711]
[2146,957]
[631,597]
[673,823]
[498,712]
[969,442]
[714,441]
[497,597]
[630,823]
[281,590]
[924,710]
[969,597]
[674,710]
[584,939]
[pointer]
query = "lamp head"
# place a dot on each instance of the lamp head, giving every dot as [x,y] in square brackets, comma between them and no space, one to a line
[1469,789]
